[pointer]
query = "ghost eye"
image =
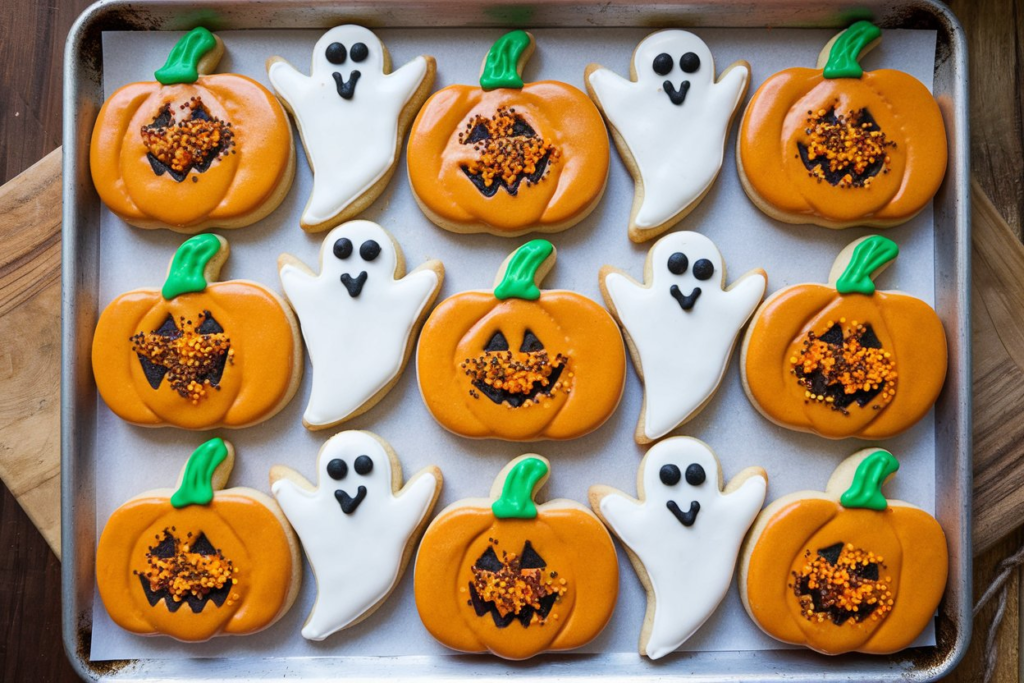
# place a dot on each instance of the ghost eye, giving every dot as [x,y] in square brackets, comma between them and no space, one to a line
[343,248]
[689,62]
[670,475]
[359,52]
[662,64]
[336,53]
[695,475]
[369,250]
[363,464]
[337,469]
[677,263]
[703,269]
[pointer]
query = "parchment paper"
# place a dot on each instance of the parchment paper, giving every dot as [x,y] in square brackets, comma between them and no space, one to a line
[132,459]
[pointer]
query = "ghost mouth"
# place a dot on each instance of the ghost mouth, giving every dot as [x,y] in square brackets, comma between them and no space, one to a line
[677,97]
[354,285]
[346,89]
[685,518]
[348,503]
[685,302]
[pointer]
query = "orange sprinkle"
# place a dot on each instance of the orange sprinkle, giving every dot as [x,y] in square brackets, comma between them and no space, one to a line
[193,359]
[185,572]
[195,141]
[511,150]
[850,146]
[843,588]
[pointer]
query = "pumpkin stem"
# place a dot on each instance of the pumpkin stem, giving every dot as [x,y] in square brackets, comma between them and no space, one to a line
[842,58]
[188,267]
[182,64]
[520,278]
[501,68]
[871,254]
[866,489]
[197,482]
[516,499]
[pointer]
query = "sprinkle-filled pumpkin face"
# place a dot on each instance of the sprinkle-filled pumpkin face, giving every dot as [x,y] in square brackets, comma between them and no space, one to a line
[194,149]
[197,354]
[521,363]
[198,561]
[845,570]
[838,146]
[514,578]
[507,157]
[843,359]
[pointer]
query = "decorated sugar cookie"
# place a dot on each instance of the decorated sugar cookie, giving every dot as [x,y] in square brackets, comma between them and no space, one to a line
[199,560]
[359,317]
[845,570]
[197,354]
[838,146]
[358,525]
[669,120]
[843,359]
[681,326]
[194,149]
[508,157]
[352,113]
[521,363]
[512,577]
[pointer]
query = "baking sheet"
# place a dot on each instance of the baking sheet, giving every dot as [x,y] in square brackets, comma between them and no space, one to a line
[131,459]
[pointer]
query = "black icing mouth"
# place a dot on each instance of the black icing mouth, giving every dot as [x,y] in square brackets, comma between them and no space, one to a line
[348,503]
[500,396]
[676,96]
[354,285]
[685,518]
[685,302]
[346,90]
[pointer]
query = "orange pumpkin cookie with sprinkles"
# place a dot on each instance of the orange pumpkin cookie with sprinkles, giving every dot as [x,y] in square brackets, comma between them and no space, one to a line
[198,561]
[838,146]
[844,359]
[197,354]
[845,570]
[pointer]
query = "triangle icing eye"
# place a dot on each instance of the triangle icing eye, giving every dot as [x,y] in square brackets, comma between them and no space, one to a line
[209,325]
[531,343]
[497,343]
[168,328]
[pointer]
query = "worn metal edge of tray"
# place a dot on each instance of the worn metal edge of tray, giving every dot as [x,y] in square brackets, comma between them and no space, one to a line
[82,98]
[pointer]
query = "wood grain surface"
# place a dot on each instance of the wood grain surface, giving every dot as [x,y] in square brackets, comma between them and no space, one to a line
[31,46]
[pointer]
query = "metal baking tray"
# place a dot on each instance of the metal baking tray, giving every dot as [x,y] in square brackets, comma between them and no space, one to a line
[83,95]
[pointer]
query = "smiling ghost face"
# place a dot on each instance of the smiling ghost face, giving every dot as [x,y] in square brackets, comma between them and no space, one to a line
[685,266]
[352,56]
[360,252]
[676,63]
[357,473]
[681,481]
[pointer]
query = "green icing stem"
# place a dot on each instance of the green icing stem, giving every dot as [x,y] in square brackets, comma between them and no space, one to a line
[183,62]
[519,281]
[516,501]
[501,66]
[866,489]
[868,256]
[842,58]
[197,482]
[189,264]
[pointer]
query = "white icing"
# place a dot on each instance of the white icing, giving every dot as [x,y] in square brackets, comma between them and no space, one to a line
[683,354]
[689,568]
[352,143]
[678,149]
[356,344]
[356,557]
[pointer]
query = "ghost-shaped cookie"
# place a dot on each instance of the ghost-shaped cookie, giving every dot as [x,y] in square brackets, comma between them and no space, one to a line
[669,122]
[358,316]
[683,533]
[681,326]
[357,525]
[352,115]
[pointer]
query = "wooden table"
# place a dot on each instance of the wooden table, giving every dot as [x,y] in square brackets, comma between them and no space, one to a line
[31,49]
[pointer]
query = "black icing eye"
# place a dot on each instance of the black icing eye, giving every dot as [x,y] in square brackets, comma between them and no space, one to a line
[343,248]
[531,343]
[670,475]
[337,469]
[689,62]
[359,52]
[336,53]
[369,250]
[363,464]
[497,343]
[662,64]
[695,475]
[677,263]
[703,269]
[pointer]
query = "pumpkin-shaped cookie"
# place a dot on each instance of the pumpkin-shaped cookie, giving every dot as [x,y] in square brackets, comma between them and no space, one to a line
[845,570]
[838,146]
[843,359]
[197,561]
[521,363]
[514,578]
[193,149]
[507,157]
[197,354]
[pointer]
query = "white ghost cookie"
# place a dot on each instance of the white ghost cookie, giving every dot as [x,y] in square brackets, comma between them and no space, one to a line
[669,122]
[681,326]
[682,536]
[352,115]
[357,525]
[358,316]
